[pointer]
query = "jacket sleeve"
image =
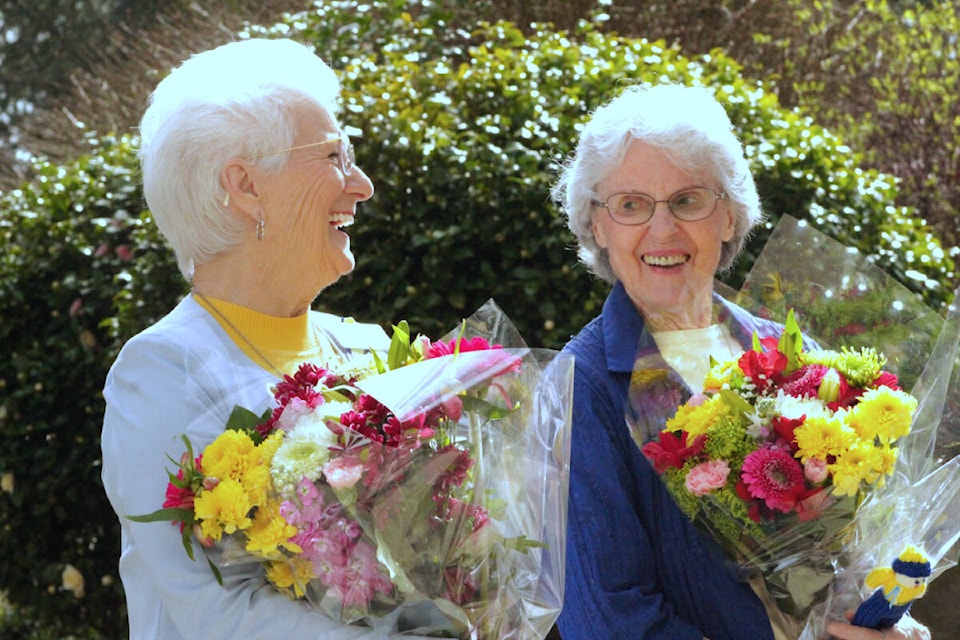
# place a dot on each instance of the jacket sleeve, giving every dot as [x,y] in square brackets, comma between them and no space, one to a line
[636,568]
[156,391]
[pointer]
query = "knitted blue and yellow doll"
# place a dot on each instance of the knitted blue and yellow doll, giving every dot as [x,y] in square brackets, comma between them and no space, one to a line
[896,587]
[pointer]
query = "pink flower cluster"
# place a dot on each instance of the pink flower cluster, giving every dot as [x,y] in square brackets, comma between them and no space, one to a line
[343,561]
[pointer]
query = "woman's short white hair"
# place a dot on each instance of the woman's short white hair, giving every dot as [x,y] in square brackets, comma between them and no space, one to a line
[237,100]
[690,126]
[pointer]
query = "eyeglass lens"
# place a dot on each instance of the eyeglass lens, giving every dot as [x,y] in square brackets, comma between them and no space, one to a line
[637,208]
[347,158]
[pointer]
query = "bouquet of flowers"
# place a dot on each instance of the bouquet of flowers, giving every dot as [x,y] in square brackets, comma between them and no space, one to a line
[777,452]
[819,475]
[430,487]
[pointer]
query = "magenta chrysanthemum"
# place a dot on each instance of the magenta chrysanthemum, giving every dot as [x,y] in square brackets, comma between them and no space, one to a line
[774,476]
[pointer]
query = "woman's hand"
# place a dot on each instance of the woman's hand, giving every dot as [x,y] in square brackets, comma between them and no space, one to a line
[906,629]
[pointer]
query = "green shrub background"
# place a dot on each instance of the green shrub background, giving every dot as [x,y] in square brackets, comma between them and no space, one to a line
[461,125]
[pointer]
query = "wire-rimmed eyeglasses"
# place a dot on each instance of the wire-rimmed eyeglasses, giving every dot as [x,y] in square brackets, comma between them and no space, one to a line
[344,157]
[633,208]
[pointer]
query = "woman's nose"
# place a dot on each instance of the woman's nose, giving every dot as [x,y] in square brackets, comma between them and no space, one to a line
[359,185]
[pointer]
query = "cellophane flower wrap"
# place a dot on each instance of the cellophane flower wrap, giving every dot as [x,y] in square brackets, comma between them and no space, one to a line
[426,491]
[812,465]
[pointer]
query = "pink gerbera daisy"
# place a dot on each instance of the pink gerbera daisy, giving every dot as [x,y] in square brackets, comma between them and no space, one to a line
[774,476]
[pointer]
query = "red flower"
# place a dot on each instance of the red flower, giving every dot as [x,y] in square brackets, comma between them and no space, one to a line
[848,395]
[762,367]
[786,426]
[887,379]
[671,451]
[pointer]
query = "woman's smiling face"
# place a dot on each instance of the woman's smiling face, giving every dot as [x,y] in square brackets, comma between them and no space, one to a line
[666,265]
[310,202]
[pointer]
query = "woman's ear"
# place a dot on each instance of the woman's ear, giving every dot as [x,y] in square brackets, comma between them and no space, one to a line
[240,187]
[729,227]
[599,231]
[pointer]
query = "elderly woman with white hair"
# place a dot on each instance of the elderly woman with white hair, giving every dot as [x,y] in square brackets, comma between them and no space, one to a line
[661,199]
[252,181]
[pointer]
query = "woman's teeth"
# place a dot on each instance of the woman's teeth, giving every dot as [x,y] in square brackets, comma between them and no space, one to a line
[665,261]
[341,220]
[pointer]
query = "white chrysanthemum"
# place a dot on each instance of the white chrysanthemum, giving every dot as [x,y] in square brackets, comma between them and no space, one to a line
[794,408]
[305,449]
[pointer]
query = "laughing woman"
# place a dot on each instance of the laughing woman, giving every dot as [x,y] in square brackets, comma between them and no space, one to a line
[660,198]
[252,181]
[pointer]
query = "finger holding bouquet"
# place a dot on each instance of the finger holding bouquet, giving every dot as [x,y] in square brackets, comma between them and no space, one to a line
[660,198]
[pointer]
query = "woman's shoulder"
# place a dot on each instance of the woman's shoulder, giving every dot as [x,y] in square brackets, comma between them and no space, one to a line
[186,334]
[588,341]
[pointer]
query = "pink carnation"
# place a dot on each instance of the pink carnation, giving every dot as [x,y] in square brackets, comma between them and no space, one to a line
[343,473]
[707,476]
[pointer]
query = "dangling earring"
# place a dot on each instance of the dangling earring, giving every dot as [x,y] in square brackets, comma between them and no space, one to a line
[226,200]
[261,228]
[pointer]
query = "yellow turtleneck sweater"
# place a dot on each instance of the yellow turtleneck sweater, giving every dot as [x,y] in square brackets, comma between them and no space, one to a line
[277,344]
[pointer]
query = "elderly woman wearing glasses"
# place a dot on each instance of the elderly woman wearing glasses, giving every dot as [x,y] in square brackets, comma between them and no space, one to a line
[660,198]
[251,180]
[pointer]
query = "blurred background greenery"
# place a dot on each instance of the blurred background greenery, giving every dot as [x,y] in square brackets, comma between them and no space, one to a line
[461,111]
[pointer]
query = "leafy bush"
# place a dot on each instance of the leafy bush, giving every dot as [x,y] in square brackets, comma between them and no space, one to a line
[461,126]
[67,239]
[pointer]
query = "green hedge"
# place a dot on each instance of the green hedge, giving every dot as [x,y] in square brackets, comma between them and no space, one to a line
[461,127]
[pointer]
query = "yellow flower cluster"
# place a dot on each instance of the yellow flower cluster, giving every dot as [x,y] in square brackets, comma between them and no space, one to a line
[237,472]
[859,441]
[696,420]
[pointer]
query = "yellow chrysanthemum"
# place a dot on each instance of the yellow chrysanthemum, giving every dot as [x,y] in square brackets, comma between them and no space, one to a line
[270,531]
[230,455]
[268,447]
[696,420]
[223,509]
[888,460]
[822,437]
[883,413]
[870,461]
[290,573]
[257,483]
[852,467]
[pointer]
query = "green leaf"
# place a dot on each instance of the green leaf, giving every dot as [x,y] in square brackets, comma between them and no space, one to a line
[735,402]
[165,515]
[791,342]
[242,419]
[399,346]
